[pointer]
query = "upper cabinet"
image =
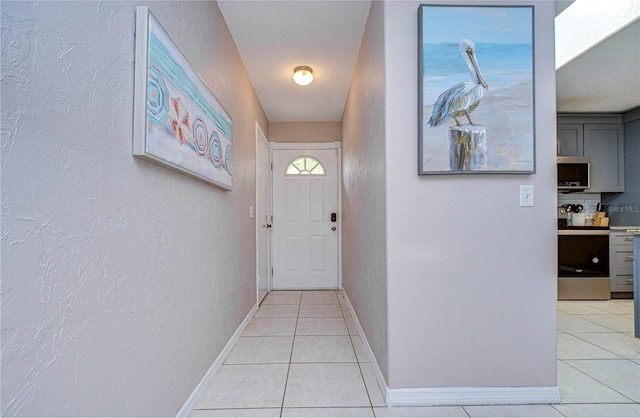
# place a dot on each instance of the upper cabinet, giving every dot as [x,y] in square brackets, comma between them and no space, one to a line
[570,140]
[603,143]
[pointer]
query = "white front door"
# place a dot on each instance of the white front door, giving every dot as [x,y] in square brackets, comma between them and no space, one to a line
[263,207]
[305,219]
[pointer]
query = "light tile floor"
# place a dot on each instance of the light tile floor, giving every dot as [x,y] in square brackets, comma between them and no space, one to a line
[301,356]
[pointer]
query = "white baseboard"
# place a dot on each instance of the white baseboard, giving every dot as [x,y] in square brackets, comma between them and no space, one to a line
[374,363]
[398,397]
[455,396]
[473,396]
[199,391]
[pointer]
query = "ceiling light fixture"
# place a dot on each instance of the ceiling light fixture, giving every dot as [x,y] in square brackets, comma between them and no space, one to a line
[303,75]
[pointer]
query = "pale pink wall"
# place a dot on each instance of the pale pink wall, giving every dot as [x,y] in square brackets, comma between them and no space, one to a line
[364,258]
[121,280]
[471,275]
[304,131]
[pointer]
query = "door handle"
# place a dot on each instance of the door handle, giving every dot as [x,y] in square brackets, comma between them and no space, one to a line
[268,226]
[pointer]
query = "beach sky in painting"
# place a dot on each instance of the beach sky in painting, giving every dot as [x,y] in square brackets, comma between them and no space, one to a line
[492,25]
[503,38]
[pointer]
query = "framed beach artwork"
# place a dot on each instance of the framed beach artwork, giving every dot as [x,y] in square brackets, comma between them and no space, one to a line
[476,90]
[178,122]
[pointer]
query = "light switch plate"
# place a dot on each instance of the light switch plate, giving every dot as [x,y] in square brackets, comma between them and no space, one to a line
[526,195]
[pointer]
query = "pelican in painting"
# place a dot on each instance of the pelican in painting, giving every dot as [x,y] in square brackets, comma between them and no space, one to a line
[464,97]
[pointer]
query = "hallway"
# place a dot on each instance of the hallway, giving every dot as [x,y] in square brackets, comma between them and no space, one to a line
[301,355]
[301,350]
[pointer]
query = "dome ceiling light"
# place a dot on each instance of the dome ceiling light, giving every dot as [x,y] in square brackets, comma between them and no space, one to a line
[303,75]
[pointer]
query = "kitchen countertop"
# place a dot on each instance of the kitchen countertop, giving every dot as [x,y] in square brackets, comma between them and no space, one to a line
[624,228]
[582,230]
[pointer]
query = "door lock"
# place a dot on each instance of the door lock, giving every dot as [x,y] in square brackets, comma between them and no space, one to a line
[333,228]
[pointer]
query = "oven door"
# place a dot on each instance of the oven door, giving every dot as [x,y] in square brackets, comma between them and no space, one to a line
[583,264]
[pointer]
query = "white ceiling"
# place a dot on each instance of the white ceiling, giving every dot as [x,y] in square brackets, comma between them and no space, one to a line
[597,56]
[273,37]
[604,79]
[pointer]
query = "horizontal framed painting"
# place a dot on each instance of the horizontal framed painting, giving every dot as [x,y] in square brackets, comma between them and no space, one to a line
[178,122]
[476,105]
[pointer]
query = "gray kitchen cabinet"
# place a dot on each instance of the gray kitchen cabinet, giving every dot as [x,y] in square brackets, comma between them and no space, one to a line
[601,138]
[604,144]
[570,139]
[621,261]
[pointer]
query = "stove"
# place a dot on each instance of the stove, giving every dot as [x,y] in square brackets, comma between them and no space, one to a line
[583,262]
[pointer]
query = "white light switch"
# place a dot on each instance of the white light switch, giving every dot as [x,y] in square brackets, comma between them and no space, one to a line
[526,195]
[251,212]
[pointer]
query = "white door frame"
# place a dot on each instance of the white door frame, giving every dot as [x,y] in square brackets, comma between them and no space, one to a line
[337,145]
[260,136]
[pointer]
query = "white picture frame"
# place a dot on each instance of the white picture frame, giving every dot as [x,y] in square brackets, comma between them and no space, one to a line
[178,122]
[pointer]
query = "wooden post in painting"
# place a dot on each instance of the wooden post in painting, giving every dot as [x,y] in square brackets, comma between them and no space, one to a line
[467,148]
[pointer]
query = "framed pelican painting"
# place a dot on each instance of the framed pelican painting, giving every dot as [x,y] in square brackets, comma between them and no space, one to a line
[476,90]
[178,122]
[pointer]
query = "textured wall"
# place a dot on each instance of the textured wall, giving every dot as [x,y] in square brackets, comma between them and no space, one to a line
[364,269]
[471,275]
[121,281]
[304,131]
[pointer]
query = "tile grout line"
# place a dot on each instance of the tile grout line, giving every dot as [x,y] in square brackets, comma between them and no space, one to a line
[611,330]
[293,343]
[595,323]
[316,362]
[596,345]
[364,382]
[556,409]
[590,307]
[602,383]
